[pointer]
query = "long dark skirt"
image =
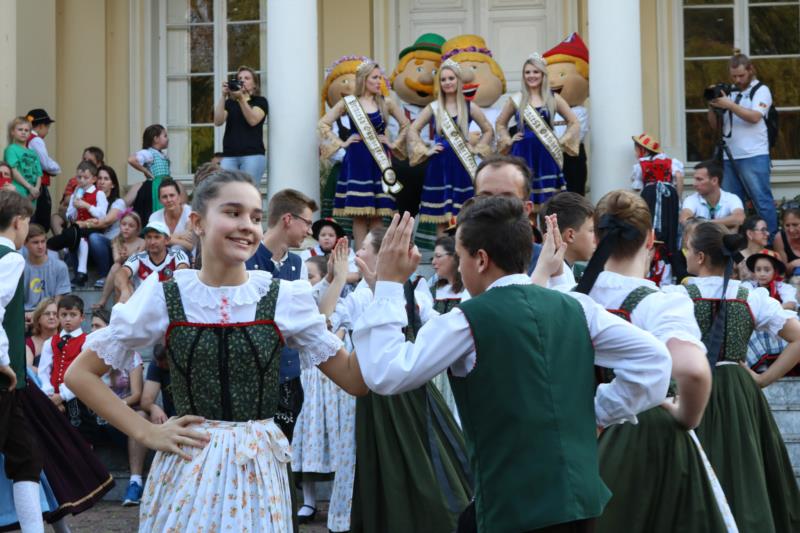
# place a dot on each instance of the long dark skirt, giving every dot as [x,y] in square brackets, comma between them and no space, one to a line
[657,479]
[411,472]
[747,452]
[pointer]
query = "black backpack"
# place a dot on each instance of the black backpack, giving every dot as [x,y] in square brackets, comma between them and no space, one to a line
[771,118]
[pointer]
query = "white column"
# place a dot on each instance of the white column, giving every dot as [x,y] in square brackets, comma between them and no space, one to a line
[293,93]
[615,88]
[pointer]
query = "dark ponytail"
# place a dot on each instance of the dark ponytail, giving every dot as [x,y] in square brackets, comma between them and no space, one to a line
[730,244]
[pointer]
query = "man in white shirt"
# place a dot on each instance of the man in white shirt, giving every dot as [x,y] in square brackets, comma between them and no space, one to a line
[745,132]
[709,201]
[547,385]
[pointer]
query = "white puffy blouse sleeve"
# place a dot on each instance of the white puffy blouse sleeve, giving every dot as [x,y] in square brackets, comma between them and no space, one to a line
[669,316]
[302,325]
[135,325]
[768,313]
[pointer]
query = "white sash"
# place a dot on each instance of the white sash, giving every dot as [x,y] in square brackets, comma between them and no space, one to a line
[542,130]
[456,139]
[368,134]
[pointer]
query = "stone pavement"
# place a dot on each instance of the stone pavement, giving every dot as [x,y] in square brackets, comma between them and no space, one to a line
[111,517]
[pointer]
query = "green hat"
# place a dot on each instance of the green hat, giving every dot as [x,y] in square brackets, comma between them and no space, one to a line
[431,42]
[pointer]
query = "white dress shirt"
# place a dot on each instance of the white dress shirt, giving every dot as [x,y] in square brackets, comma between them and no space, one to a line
[12,266]
[142,321]
[45,368]
[98,210]
[390,365]
[48,164]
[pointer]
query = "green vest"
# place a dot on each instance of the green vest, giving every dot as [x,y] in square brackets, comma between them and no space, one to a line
[739,323]
[527,410]
[14,326]
[224,371]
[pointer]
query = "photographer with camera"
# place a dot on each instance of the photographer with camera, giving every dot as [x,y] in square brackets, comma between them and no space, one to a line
[243,112]
[740,111]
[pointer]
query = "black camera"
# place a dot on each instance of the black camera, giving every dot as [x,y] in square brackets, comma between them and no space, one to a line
[234,85]
[718,91]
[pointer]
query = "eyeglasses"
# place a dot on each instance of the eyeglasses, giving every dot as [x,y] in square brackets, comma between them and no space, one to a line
[760,230]
[441,256]
[298,217]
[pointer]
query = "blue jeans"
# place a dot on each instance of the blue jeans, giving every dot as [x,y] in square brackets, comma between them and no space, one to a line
[251,164]
[756,172]
[100,252]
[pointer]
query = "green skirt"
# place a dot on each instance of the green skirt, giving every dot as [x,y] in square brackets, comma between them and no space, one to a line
[747,452]
[657,479]
[411,465]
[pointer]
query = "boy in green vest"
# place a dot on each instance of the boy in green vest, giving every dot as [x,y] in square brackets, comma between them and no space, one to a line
[22,462]
[521,364]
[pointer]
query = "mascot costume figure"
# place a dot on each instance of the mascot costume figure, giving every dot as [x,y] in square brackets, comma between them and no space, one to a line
[412,81]
[568,71]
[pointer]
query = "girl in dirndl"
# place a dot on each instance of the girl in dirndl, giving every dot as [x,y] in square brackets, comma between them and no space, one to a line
[548,178]
[410,473]
[738,431]
[448,183]
[448,292]
[656,466]
[323,444]
[221,466]
[359,189]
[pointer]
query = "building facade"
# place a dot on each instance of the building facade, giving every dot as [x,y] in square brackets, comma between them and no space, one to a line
[105,69]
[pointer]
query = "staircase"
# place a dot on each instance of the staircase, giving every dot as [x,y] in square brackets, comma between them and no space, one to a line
[784,398]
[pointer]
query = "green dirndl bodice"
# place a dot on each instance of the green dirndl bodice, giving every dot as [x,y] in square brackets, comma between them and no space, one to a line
[739,432]
[224,371]
[412,472]
[654,469]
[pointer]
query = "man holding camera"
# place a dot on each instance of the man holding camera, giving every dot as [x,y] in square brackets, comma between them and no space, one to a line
[743,109]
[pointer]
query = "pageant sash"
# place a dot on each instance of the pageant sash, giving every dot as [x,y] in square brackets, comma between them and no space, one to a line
[542,130]
[368,134]
[456,140]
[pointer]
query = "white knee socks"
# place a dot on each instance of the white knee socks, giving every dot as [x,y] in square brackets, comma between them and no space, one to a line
[83,256]
[309,497]
[61,526]
[28,506]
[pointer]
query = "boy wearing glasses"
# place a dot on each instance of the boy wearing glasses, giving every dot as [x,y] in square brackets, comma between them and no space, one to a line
[288,224]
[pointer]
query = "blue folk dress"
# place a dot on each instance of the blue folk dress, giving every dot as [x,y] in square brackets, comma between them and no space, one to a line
[447,183]
[359,191]
[547,178]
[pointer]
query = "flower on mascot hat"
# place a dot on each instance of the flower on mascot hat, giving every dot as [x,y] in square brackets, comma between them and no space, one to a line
[346,65]
[472,48]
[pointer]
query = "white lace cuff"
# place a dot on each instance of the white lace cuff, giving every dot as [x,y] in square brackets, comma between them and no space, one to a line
[113,352]
[775,324]
[324,349]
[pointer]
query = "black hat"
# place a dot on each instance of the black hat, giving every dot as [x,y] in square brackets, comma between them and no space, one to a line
[773,256]
[317,226]
[39,116]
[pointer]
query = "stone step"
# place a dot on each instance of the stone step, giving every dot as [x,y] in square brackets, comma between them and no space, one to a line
[784,391]
[793,448]
[787,417]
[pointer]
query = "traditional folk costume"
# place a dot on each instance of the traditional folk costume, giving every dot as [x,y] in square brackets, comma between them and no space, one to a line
[146,201]
[450,174]
[223,348]
[411,471]
[23,461]
[539,147]
[764,348]
[366,182]
[72,478]
[656,467]
[654,175]
[738,430]
[444,301]
[546,377]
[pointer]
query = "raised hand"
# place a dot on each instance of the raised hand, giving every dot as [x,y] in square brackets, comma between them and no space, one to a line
[398,258]
[340,255]
[551,258]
